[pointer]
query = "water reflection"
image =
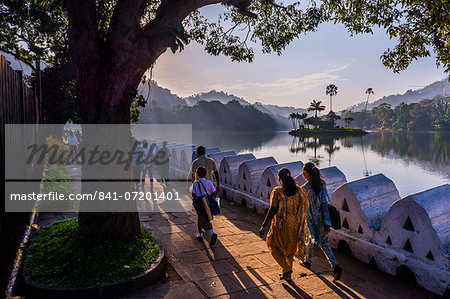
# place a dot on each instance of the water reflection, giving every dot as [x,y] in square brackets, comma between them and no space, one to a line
[427,147]
[414,161]
[236,141]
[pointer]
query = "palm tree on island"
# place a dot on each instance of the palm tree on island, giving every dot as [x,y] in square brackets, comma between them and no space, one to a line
[316,107]
[301,118]
[369,91]
[293,116]
[331,91]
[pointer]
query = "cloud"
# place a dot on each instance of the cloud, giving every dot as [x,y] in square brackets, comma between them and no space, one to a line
[286,86]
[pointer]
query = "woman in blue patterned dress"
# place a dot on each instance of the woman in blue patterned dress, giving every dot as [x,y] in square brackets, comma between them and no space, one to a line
[318,218]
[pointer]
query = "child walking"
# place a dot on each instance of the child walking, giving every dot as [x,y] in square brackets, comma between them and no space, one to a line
[201,190]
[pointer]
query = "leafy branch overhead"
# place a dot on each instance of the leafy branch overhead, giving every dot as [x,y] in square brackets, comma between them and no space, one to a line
[420,27]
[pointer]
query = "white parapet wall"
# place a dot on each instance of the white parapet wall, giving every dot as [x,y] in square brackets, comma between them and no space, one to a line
[208,150]
[364,203]
[411,234]
[269,178]
[247,180]
[333,177]
[173,155]
[217,157]
[228,170]
[177,153]
[418,226]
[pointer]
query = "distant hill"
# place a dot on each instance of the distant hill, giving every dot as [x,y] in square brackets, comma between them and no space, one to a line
[162,98]
[215,116]
[214,95]
[279,113]
[410,96]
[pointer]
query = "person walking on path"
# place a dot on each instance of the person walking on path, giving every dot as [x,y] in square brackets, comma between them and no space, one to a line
[147,163]
[318,218]
[163,158]
[206,162]
[203,189]
[287,215]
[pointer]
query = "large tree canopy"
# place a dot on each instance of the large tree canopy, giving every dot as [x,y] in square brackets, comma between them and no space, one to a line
[113,43]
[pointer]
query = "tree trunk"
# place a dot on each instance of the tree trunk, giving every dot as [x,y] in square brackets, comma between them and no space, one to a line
[108,72]
[105,95]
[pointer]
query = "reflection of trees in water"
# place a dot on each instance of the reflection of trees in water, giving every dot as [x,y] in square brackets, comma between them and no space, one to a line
[426,147]
[366,171]
[301,144]
[298,145]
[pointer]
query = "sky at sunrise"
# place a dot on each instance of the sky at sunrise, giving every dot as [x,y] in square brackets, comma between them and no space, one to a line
[301,73]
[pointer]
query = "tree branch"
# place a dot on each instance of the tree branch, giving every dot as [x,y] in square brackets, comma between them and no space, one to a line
[83,32]
[125,19]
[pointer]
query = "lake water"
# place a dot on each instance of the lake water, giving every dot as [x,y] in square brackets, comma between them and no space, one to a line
[413,161]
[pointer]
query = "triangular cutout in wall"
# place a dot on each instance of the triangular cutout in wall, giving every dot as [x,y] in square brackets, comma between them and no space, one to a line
[345,223]
[345,206]
[408,225]
[408,247]
[388,240]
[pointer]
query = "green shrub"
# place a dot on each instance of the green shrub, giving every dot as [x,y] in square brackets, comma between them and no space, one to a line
[62,256]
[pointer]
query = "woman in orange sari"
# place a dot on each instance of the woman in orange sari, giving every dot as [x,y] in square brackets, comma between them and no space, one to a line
[287,215]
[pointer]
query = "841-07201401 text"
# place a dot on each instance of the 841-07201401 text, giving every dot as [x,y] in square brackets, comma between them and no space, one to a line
[138,195]
[97,195]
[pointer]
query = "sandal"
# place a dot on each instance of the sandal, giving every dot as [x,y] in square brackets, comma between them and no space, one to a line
[337,273]
[306,265]
[286,276]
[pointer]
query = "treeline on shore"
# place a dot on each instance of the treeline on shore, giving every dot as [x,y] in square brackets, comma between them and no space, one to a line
[429,114]
[213,115]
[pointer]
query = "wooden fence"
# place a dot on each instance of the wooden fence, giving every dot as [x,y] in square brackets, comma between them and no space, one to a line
[18,105]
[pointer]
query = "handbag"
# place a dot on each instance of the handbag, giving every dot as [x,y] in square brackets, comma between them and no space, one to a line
[335,217]
[213,203]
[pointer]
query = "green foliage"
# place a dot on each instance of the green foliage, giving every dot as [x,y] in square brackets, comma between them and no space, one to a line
[217,116]
[55,179]
[138,102]
[417,26]
[62,256]
[31,32]
[316,107]
[422,116]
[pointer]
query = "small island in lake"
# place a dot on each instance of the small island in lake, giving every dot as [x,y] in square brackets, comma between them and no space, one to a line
[327,132]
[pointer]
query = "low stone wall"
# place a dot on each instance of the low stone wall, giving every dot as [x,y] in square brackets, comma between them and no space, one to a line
[411,234]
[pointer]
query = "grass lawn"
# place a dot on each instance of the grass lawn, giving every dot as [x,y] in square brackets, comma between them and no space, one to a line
[61,256]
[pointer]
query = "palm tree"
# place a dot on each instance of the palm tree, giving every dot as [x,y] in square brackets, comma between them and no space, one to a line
[331,91]
[348,120]
[369,91]
[316,107]
[293,117]
[301,118]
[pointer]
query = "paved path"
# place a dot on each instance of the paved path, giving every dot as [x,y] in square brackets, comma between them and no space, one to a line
[241,266]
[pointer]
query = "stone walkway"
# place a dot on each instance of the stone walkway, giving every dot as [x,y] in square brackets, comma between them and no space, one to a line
[241,266]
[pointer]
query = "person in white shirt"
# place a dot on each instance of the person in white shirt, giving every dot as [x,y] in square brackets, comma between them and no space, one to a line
[202,188]
[72,140]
